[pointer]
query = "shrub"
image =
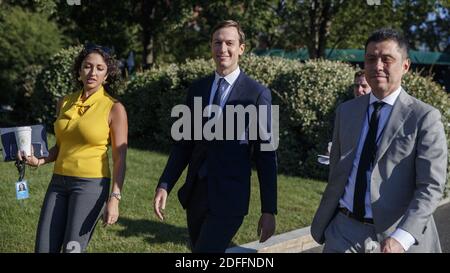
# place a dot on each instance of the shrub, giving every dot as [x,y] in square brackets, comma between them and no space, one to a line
[26,38]
[308,96]
[150,96]
[26,87]
[266,69]
[185,74]
[425,89]
[52,83]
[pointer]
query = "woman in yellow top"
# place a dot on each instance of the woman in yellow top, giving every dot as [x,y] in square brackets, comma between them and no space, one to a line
[87,121]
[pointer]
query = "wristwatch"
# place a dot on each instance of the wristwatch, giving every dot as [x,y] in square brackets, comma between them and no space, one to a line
[116,195]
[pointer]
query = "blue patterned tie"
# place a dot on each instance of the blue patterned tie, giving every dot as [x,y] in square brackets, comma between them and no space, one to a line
[219,91]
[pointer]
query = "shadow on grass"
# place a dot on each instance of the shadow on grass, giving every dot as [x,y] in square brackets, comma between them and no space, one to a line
[154,232]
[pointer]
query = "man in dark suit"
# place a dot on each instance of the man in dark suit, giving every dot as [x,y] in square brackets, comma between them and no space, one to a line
[217,189]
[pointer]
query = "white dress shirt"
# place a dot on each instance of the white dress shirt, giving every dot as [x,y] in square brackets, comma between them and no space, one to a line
[230,79]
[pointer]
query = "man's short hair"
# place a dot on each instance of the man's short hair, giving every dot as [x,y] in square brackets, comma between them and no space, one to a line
[230,23]
[384,34]
[360,73]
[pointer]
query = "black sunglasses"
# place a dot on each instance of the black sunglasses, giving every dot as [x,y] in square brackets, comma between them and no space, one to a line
[91,46]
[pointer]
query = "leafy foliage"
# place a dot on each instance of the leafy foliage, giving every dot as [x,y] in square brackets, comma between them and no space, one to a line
[307,95]
[26,38]
[52,83]
[428,91]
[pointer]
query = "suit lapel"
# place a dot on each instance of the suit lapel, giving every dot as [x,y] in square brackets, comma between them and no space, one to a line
[236,89]
[206,89]
[355,121]
[399,114]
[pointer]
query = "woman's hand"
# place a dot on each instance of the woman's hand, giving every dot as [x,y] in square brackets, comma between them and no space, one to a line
[111,214]
[30,160]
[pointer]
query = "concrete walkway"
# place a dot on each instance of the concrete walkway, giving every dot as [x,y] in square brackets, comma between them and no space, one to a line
[300,240]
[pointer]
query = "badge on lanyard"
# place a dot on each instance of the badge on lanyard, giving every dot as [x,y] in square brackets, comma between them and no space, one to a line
[21,185]
[22,190]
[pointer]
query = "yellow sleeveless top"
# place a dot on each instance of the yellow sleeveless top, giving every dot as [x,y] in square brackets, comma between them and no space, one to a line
[82,135]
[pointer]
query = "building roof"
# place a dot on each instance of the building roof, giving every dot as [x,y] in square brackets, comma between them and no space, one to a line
[357,55]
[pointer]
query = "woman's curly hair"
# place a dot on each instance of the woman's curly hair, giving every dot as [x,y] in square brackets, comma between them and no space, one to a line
[113,70]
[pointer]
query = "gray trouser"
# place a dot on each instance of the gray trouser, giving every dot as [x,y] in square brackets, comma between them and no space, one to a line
[71,208]
[344,235]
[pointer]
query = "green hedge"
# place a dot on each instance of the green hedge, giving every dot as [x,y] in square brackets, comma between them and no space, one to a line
[53,82]
[307,94]
[425,89]
[26,87]
[151,95]
[25,38]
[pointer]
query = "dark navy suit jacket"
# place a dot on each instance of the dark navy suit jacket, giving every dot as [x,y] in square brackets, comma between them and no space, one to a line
[228,162]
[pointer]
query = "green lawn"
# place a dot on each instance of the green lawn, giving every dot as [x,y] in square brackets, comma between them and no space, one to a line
[138,230]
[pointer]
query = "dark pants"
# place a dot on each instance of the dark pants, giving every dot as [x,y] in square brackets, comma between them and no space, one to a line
[208,232]
[71,208]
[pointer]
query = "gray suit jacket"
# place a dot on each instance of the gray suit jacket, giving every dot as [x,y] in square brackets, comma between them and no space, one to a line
[409,173]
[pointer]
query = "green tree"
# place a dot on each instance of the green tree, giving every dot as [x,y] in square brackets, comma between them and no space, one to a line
[26,38]
[139,25]
[430,26]
[320,24]
[46,7]
[192,38]
[308,23]
[108,23]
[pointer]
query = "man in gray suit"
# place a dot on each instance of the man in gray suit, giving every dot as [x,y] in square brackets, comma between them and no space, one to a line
[388,163]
